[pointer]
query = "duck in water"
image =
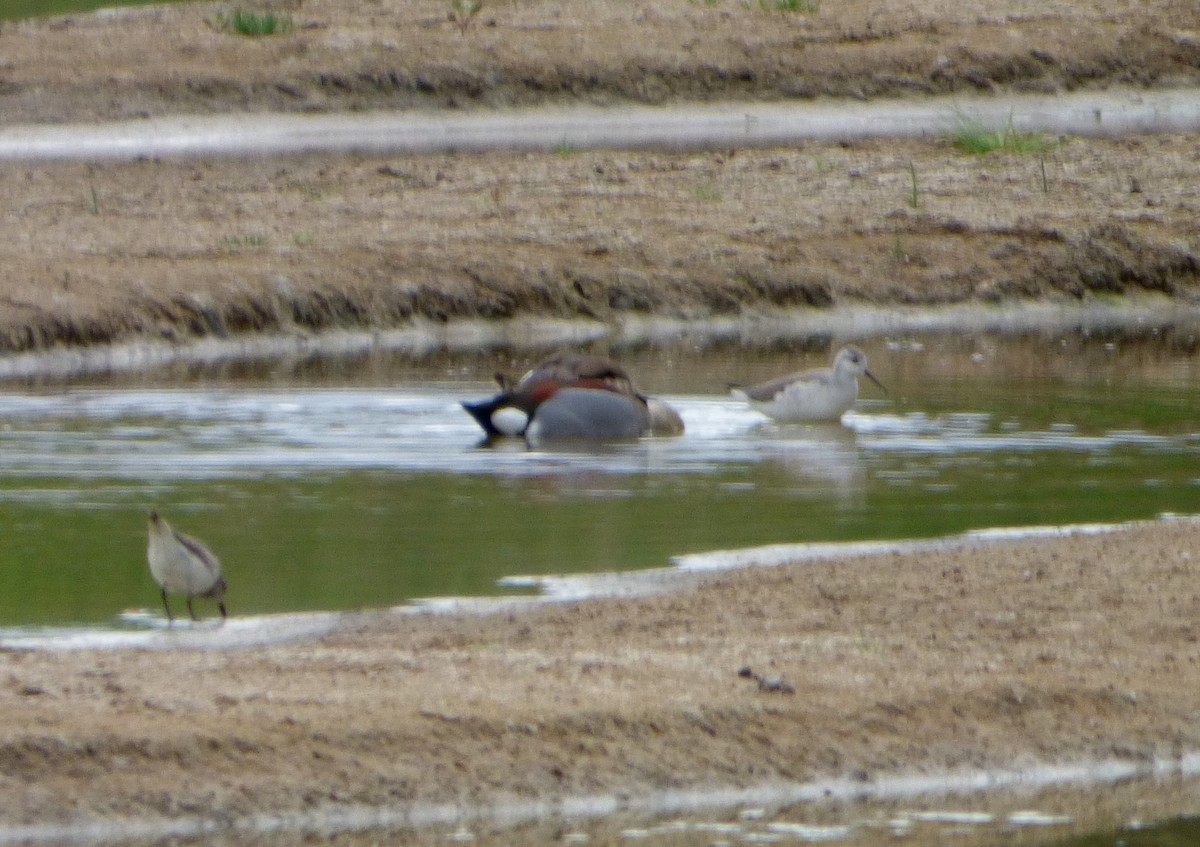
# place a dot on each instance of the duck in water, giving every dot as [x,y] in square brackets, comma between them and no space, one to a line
[573,395]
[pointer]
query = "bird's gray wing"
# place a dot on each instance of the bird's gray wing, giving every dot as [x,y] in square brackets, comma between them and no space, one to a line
[197,549]
[767,391]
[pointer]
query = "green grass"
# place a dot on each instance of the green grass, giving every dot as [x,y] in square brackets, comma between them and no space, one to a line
[914,193]
[798,6]
[254,24]
[970,136]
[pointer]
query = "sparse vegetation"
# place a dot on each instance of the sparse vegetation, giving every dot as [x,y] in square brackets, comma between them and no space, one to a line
[254,24]
[914,194]
[253,239]
[707,193]
[463,12]
[970,136]
[565,148]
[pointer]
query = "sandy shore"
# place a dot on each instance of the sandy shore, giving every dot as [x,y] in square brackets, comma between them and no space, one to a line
[995,656]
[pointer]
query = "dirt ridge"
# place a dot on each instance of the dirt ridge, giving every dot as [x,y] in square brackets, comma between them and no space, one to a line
[360,55]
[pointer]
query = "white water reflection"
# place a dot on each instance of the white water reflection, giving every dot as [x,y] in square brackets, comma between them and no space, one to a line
[173,435]
[143,630]
[976,432]
[202,434]
[964,807]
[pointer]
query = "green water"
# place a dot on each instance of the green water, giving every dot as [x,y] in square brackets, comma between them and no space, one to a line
[319,496]
[1181,832]
[16,9]
[369,539]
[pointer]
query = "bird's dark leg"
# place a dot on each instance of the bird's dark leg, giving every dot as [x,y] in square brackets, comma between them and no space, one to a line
[167,606]
[191,611]
[221,606]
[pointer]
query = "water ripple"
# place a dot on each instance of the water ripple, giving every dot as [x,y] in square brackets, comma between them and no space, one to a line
[214,434]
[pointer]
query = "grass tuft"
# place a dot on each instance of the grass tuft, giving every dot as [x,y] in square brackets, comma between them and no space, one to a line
[462,12]
[801,7]
[252,239]
[970,136]
[254,24]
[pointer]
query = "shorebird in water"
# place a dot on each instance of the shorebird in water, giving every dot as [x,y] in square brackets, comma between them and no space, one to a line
[183,565]
[817,395]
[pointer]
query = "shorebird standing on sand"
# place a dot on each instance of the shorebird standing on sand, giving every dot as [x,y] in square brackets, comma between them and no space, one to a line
[818,395]
[181,564]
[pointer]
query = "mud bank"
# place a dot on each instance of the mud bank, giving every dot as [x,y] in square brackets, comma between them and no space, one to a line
[1134,315]
[356,55]
[175,251]
[185,248]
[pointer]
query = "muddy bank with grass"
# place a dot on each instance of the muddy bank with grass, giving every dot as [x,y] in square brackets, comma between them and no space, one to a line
[175,250]
[364,54]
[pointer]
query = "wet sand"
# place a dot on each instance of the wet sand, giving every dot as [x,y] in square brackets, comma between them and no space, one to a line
[995,657]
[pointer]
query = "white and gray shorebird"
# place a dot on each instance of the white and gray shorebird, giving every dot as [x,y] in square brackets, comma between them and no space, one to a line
[824,394]
[180,564]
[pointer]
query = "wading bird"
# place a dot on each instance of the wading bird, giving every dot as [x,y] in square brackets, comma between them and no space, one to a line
[817,395]
[182,565]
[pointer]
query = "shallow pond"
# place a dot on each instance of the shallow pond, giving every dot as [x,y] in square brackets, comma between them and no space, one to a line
[1121,814]
[360,482]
